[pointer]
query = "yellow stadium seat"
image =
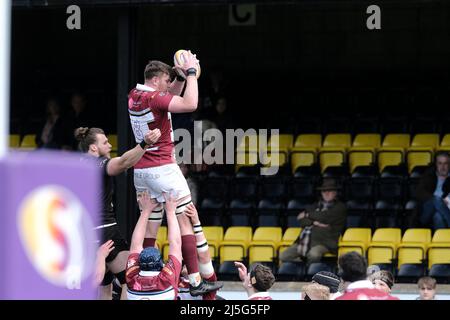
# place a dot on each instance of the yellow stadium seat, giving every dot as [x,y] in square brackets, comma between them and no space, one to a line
[331,157]
[360,156]
[28,142]
[274,157]
[439,248]
[340,140]
[429,140]
[397,140]
[247,151]
[308,141]
[112,139]
[438,255]
[409,255]
[413,247]
[383,247]
[302,157]
[445,143]
[282,141]
[235,243]
[264,245]
[289,236]
[419,156]
[364,140]
[388,156]
[355,239]
[14,140]
[441,236]
[214,236]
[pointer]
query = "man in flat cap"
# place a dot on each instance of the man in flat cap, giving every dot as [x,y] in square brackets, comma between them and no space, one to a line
[322,225]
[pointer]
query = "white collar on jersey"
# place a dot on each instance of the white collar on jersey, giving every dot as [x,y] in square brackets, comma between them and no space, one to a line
[362,284]
[143,87]
[262,294]
[148,273]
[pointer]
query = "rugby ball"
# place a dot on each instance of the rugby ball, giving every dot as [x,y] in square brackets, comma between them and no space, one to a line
[178,60]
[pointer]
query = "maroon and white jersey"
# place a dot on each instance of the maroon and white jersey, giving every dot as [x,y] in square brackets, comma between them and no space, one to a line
[152,285]
[364,290]
[260,296]
[148,110]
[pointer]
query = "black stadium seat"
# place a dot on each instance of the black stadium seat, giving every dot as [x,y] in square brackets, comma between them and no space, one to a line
[268,213]
[240,212]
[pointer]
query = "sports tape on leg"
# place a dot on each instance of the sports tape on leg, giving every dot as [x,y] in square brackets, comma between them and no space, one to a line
[206,268]
[157,213]
[180,208]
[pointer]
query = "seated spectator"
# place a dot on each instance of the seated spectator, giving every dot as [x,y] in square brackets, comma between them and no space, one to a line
[315,291]
[257,282]
[427,288]
[353,271]
[432,191]
[330,280]
[322,225]
[382,280]
[50,134]
[78,116]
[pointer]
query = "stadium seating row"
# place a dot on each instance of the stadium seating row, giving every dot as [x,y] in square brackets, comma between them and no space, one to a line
[338,149]
[28,142]
[408,256]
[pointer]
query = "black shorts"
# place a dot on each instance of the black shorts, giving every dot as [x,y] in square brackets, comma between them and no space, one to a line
[120,244]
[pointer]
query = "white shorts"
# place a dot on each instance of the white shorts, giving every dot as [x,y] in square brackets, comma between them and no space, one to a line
[157,180]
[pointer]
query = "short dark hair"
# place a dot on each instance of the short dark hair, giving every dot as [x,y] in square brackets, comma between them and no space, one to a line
[261,277]
[352,267]
[155,68]
[441,154]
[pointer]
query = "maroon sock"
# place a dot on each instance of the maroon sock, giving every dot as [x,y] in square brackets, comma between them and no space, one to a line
[149,242]
[189,251]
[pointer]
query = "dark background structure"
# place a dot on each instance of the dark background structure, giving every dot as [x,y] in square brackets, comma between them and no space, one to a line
[299,58]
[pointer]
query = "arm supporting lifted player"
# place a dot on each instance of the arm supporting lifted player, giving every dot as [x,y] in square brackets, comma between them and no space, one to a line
[189,101]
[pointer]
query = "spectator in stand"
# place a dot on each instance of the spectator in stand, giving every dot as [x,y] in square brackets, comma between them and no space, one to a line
[257,282]
[322,225]
[50,134]
[221,118]
[315,291]
[353,271]
[382,280]
[330,280]
[427,288]
[433,191]
[78,116]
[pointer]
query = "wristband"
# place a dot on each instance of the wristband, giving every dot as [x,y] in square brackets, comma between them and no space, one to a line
[191,72]
[144,145]
[180,78]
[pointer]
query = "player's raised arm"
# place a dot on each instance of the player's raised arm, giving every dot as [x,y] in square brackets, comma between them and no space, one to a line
[173,233]
[146,205]
[189,101]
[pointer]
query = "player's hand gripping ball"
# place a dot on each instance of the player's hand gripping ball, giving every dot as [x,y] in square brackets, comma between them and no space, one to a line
[178,61]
